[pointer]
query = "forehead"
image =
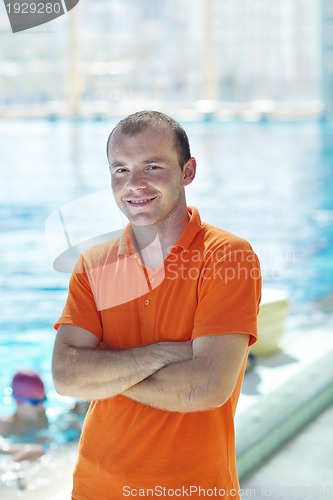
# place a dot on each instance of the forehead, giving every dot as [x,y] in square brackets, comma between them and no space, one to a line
[148,141]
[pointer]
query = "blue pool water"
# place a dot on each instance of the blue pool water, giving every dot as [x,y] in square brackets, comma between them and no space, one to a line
[271,183]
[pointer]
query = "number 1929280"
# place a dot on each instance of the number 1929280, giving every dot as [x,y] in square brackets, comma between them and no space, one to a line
[34,8]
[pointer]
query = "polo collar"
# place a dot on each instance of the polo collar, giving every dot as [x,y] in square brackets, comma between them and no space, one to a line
[127,242]
[191,230]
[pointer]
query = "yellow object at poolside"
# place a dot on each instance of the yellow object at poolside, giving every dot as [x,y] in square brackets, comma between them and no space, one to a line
[271,320]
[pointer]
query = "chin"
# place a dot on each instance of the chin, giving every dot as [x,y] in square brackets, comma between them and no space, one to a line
[141,222]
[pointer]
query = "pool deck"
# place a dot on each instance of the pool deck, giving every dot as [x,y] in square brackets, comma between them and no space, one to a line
[281,395]
[301,469]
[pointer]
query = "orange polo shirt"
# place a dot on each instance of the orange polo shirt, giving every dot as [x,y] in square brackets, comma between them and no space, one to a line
[209,285]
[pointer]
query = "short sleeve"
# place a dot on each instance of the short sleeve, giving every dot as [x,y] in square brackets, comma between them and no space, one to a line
[229,293]
[80,308]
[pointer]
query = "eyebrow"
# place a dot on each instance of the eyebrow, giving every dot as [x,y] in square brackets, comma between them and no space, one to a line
[116,164]
[156,159]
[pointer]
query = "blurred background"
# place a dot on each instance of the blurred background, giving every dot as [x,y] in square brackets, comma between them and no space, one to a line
[245,57]
[251,82]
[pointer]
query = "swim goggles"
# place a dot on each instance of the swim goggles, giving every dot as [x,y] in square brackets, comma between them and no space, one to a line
[32,401]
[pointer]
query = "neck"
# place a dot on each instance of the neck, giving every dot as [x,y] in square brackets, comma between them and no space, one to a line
[154,243]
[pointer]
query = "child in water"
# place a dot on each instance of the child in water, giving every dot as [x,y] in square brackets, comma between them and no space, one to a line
[28,419]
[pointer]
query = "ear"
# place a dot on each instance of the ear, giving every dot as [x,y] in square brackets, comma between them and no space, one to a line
[189,171]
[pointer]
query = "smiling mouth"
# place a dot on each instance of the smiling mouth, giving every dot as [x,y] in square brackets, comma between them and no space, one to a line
[141,201]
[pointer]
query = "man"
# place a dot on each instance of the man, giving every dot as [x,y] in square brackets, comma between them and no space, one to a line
[156,330]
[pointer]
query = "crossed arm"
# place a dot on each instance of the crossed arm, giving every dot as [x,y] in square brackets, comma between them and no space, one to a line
[173,376]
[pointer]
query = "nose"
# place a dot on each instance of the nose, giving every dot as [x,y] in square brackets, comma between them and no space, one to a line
[136,180]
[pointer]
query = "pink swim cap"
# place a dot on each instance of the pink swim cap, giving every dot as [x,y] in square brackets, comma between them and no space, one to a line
[27,384]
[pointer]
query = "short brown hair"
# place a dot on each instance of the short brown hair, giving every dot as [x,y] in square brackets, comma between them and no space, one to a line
[135,123]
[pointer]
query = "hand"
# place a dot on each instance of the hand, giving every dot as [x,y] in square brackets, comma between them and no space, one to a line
[28,452]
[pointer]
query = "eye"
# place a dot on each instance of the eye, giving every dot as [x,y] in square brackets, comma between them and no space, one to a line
[153,167]
[120,170]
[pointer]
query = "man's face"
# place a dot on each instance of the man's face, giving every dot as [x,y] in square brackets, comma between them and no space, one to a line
[146,179]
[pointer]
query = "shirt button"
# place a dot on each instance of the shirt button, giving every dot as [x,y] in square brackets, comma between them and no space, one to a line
[152,280]
[147,302]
